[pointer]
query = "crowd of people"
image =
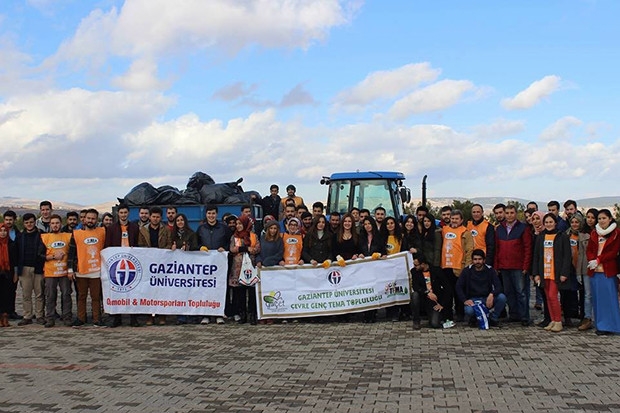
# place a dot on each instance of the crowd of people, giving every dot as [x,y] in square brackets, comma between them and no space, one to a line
[458,266]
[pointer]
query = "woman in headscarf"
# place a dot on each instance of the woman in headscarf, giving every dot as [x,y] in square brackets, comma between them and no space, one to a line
[536,223]
[244,297]
[602,255]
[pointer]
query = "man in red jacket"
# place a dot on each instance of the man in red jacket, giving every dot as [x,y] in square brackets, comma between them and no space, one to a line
[513,258]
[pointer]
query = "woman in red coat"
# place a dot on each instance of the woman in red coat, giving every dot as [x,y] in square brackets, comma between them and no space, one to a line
[602,255]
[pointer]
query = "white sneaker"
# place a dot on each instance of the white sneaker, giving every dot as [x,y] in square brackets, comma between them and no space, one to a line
[205,320]
[220,320]
[448,324]
[237,318]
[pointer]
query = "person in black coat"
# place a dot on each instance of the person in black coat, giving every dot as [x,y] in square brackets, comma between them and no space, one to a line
[431,290]
[371,242]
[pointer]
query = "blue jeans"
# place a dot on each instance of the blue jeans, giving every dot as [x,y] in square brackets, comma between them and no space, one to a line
[516,286]
[499,302]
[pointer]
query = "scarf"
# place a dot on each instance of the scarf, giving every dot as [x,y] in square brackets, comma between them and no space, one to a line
[541,227]
[5,263]
[244,234]
[604,232]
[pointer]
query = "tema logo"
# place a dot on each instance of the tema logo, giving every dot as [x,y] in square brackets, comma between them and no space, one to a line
[450,235]
[273,300]
[91,241]
[334,277]
[474,233]
[125,272]
[393,288]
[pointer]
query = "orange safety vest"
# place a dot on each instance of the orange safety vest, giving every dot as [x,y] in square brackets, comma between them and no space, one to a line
[479,233]
[452,247]
[293,245]
[58,242]
[548,258]
[89,244]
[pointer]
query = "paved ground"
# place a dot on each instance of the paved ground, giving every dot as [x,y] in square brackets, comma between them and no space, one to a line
[382,367]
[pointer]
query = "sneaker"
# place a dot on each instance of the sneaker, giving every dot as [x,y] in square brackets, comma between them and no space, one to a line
[77,323]
[493,323]
[416,325]
[205,320]
[220,320]
[49,323]
[448,324]
[24,322]
[237,318]
[41,321]
[150,320]
[98,324]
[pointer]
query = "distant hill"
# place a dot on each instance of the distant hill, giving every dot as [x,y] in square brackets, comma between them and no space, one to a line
[22,206]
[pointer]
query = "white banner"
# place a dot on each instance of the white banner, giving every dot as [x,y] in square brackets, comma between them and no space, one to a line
[307,291]
[159,281]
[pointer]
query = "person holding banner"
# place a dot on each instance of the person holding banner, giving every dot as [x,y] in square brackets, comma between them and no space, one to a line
[372,244]
[243,241]
[271,246]
[317,245]
[394,244]
[122,233]
[84,262]
[182,234]
[155,235]
[431,290]
[345,242]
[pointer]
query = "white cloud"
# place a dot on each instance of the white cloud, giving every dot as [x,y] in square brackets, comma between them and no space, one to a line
[561,129]
[387,84]
[438,96]
[297,96]
[533,94]
[197,25]
[499,129]
[234,91]
[141,77]
[71,132]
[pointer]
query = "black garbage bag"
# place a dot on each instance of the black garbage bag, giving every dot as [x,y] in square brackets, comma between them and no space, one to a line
[190,196]
[198,180]
[142,194]
[217,193]
[168,195]
[243,198]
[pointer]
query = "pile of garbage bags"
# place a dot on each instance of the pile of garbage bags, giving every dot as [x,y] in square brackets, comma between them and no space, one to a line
[201,189]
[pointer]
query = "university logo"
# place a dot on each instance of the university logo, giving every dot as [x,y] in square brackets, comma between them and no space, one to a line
[334,277]
[125,272]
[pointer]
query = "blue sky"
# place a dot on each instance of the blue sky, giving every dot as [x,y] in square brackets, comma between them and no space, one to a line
[487,98]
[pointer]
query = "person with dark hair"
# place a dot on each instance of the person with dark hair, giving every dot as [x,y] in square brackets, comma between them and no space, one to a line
[9,221]
[306,222]
[456,248]
[579,243]
[570,209]
[289,212]
[243,297]
[272,248]
[499,210]
[551,267]
[317,209]
[554,208]
[84,263]
[246,210]
[143,217]
[290,195]
[513,259]
[43,222]
[182,235]
[214,235]
[171,215]
[431,241]
[393,245]
[334,222]
[431,290]
[602,255]
[156,235]
[55,272]
[411,237]
[8,258]
[272,203]
[107,219]
[380,215]
[355,213]
[532,205]
[372,244]
[445,213]
[317,244]
[30,270]
[72,222]
[479,282]
[345,241]
[122,233]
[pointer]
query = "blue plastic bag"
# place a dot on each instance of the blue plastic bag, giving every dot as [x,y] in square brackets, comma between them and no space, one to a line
[482,314]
